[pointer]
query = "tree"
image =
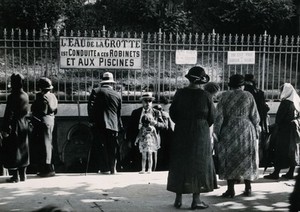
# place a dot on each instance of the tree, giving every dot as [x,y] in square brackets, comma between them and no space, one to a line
[33,14]
[252,16]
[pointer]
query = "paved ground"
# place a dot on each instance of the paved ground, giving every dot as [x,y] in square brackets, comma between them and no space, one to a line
[130,191]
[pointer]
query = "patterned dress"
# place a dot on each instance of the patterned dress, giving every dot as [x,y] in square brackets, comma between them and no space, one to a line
[147,139]
[237,127]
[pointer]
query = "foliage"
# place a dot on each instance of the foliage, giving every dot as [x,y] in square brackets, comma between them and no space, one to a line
[226,16]
[32,14]
[248,16]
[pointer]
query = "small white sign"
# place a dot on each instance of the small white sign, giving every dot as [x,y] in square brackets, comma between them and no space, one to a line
[241,57]
[186,57]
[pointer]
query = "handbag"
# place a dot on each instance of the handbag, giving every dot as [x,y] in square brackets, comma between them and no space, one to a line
[296,130]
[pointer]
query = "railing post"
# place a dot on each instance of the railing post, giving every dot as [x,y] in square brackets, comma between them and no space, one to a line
[159,61]
[264,61]
[103,31]
[213,54]
[45,38]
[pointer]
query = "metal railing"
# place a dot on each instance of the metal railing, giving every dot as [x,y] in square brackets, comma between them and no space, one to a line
[36,54]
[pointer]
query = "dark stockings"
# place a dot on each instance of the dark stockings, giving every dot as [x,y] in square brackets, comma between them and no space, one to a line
[247,185]
[291,171]
[230,186]
[196,198]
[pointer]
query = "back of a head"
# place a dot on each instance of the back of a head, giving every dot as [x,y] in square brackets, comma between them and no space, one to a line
[197,75]
[52,208]
[249,79]
[16,81]
[45,83]
[236,81]
[212,87]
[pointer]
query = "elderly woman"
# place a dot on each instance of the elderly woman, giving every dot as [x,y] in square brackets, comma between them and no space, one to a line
[191,165]
[15,149]
[286,149]
[236,130]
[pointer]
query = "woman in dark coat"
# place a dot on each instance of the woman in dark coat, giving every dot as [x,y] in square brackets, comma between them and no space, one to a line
[15,149]
[286,149]
[191,165]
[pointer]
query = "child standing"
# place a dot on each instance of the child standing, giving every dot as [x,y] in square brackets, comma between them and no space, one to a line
[148,142]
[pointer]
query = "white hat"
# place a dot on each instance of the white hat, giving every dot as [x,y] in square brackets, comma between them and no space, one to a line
[147,95]
[107,78]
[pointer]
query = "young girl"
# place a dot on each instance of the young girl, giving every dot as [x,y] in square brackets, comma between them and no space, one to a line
[148,142]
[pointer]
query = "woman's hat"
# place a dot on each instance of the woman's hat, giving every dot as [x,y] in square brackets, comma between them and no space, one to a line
[45,83]
[147,95]
[250,78]
[107,78]
[236,81]
[212,87]
[197,75]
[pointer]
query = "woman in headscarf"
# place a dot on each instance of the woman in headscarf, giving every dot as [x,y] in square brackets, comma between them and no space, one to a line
[286,150]
[236,131]
[191,166]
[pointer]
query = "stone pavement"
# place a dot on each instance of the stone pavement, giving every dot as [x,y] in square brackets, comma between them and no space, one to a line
[131,191]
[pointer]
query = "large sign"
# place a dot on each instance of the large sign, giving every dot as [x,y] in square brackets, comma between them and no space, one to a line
[241,57]
[115,53]
[186,57]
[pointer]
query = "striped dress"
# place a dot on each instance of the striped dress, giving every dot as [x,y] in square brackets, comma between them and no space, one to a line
[237,127]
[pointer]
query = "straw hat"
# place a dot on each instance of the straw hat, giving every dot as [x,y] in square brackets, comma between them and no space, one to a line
[107,78]
[147,95]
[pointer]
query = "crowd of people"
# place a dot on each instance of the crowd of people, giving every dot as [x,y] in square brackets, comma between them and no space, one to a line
[15,155]
[195,140]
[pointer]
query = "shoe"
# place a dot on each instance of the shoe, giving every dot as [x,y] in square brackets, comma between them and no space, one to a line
[200,205]
[288,176]
[247,192]
[272,177]
[177,204]
[108,172]
[228,193]
[142,172]
[12,180]
[48,174]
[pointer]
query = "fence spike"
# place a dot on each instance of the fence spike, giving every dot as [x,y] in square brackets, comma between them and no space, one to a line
[103,31]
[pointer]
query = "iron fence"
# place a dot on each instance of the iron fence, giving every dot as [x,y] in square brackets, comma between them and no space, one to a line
[36,54]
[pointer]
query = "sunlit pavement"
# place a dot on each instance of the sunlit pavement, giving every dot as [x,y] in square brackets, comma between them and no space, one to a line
[131,191]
